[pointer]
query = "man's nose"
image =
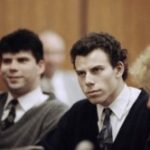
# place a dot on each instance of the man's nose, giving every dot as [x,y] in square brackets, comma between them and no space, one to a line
[13,65]
[89,79]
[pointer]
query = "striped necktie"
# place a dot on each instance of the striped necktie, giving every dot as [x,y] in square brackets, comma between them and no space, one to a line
[9,121]
[105,139]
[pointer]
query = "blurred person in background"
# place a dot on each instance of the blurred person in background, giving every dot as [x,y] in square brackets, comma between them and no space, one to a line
[63,83]
[140,71]
[26,113]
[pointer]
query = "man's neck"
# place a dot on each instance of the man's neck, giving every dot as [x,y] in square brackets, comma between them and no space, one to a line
[18,93]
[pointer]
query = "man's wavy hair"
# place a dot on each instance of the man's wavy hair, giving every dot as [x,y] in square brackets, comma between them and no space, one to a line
[105,42]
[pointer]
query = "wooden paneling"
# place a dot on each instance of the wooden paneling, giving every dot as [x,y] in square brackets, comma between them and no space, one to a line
[39,15]
[128,20]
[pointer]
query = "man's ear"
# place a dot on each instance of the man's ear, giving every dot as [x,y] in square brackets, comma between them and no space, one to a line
[41,65]
[119,69]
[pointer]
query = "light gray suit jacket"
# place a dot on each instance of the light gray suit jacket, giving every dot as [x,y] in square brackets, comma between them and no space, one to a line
[65,86]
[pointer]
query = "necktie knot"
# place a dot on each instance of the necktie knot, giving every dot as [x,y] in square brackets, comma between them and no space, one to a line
[12,103]
[107,112]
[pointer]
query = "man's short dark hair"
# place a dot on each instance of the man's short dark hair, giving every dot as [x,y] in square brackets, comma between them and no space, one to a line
[105,42]
[22,40]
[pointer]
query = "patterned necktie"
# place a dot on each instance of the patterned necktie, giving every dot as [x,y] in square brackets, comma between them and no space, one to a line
[9,121]
[105,139]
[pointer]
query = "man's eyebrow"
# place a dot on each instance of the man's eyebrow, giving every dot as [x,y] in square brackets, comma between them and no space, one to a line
[79,70]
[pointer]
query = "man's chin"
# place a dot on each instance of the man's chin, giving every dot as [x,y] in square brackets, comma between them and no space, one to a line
[93,101]
[97,100]
[14,88]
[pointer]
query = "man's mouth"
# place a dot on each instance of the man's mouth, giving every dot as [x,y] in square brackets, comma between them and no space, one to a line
[93,93]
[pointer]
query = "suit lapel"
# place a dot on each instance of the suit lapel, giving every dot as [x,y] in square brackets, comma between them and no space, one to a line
[3,98]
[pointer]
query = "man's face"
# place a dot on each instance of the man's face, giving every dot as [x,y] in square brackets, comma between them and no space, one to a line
[21,72]
[54,52]
[100,82]
[54,57]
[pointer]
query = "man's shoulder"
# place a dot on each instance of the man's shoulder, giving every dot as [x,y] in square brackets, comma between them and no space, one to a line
[138,93]
[82,102]
[141,102]
[54,104]
[51,110]
[79,112]
[3,95]
[143,95]
[82,106]
[3,98]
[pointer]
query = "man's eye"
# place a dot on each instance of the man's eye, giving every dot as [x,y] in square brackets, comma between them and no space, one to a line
[23,60]
[81,73]
[97,69]
[6,61]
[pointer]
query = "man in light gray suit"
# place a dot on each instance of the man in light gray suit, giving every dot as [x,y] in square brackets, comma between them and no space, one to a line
[62,83]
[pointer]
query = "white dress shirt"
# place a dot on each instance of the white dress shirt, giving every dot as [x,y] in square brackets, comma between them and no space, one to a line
[25,102]
[120,109]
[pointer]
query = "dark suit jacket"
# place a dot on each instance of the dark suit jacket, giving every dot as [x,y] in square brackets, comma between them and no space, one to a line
[80,123]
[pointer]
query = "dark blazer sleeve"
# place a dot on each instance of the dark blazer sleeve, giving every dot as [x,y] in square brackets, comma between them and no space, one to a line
[147,147]
[64,136]
[58,138]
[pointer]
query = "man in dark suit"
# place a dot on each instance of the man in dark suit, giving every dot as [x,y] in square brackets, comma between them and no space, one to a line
[114,115]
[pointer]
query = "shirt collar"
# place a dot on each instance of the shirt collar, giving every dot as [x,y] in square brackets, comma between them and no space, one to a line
[33,98]
[119,104]
[9,98]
